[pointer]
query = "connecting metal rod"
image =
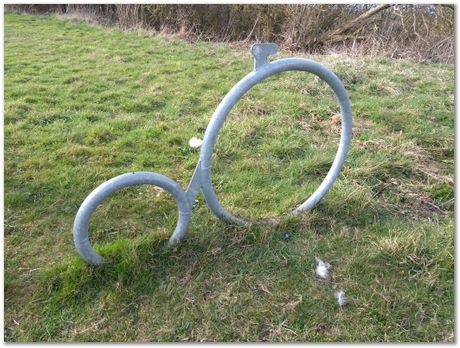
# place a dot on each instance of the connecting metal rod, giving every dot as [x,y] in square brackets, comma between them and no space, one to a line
[201,179]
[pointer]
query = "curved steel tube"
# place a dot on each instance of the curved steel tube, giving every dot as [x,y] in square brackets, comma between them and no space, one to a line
[258,75]
[201,179]
[81,223]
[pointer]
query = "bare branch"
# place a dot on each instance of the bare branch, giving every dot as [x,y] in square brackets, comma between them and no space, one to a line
[349,25]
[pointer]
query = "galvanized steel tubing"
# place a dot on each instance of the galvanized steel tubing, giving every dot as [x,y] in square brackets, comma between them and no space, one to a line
[201,179]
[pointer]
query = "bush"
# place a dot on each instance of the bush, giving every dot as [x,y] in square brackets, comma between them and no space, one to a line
[421,32]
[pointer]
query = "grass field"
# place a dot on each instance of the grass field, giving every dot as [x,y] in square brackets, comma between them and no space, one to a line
[85,103]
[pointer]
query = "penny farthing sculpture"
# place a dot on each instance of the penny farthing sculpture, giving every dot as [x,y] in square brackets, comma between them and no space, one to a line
[201,179]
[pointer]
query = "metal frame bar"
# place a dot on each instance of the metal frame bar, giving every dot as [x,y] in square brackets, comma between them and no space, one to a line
[201,179]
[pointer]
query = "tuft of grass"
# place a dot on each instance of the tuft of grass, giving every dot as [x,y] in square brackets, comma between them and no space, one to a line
[84,103]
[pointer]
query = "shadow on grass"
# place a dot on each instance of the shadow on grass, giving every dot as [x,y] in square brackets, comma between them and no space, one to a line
[144,262]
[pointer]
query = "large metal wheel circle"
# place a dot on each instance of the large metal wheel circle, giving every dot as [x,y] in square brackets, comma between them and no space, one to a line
[244,85]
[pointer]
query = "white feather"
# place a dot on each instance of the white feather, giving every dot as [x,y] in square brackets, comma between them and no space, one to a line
[322,269]
[195,142]
[341,299]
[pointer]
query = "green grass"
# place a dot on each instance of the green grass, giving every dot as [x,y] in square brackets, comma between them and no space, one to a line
[85,103]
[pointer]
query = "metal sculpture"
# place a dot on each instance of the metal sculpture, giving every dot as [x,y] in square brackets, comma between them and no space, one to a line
[201,179]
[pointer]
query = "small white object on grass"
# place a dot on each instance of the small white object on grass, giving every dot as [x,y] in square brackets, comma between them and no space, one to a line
[195,142]
[341,299]
[322,269]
